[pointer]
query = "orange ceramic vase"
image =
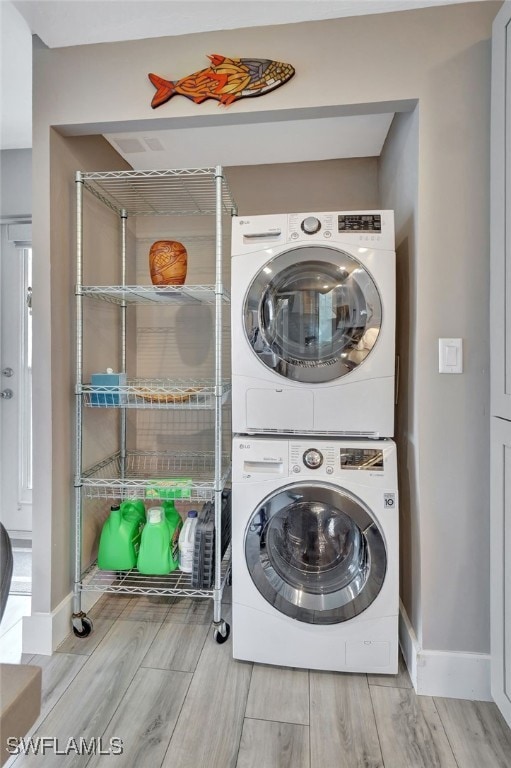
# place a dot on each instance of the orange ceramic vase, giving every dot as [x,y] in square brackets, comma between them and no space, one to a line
[168,262]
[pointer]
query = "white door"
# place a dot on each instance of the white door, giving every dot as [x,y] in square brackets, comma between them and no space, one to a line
[501,565]
[500,341]
[16,379]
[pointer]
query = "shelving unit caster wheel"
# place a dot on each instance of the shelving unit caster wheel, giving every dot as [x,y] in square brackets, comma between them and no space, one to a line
[82,626]
[222,632]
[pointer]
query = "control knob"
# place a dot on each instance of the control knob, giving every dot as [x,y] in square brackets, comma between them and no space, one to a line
[313,458]
[311,225]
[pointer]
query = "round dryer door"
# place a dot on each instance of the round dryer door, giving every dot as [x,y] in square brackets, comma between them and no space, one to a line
[312,314]
[315,553]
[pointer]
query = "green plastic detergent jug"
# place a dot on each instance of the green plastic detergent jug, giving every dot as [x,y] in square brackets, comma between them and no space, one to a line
[155,555]
[119,542]
[133,507]
[176,523]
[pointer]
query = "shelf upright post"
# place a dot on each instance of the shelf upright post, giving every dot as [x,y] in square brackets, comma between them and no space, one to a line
[217,592]
[124,220]
[77,611]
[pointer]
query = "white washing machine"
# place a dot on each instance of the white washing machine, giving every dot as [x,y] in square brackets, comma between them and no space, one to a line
[313,324]
[315,553]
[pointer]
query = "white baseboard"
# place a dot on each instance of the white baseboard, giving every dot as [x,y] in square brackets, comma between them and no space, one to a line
[449,674]
[409,644]
[44,632]
[13,534]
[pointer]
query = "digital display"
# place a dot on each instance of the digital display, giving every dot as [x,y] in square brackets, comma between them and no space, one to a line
[359,222]
[362,458]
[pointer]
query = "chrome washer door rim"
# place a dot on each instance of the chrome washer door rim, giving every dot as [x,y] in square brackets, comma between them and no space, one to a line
[302,604]
[312,314]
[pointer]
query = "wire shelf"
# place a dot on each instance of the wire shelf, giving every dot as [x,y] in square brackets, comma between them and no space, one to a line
[169,295]
[187,191]
[132,582]
[153,475]
[189,394]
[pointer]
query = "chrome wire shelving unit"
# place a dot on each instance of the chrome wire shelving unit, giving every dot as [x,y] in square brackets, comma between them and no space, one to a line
[149,475]
[193,394]
[177,583]
[150,294]
[179,192]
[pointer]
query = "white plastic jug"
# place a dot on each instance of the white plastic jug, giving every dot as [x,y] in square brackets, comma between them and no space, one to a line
[187,542]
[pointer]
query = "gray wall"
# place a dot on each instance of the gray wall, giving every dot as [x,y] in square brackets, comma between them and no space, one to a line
[54,400]
[439,57]
[314,186]
[399,185]
[15,183]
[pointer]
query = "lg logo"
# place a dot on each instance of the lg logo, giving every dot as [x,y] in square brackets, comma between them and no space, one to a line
[244,445]
[244,221]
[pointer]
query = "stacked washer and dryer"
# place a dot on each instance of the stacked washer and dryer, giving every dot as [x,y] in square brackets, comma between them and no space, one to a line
[314,484]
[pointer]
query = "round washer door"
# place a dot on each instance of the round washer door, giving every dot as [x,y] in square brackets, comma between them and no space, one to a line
[315,553]
[312,314]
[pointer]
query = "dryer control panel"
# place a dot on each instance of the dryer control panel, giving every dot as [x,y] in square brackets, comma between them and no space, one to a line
[373,229]
[357,229]
[320,224]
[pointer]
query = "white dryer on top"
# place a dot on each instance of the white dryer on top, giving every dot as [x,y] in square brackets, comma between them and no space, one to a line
[313,323]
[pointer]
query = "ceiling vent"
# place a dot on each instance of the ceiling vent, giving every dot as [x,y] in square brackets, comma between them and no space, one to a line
[128,146]
[154,144]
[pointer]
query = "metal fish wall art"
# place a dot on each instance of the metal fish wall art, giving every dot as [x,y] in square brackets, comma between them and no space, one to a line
[226,80]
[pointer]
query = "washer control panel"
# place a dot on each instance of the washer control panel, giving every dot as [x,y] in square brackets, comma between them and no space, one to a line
[306,458]
[309,459]
[327,459]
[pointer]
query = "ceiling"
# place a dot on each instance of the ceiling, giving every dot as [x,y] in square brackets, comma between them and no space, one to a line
[76,22]
[280,142]
[60,23]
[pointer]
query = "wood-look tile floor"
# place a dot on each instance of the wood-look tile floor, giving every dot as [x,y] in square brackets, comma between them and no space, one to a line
[152,675]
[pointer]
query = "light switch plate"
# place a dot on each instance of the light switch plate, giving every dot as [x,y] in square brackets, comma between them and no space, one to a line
[450,355]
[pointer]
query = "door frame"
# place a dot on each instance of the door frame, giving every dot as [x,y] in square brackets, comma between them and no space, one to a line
[15,501]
